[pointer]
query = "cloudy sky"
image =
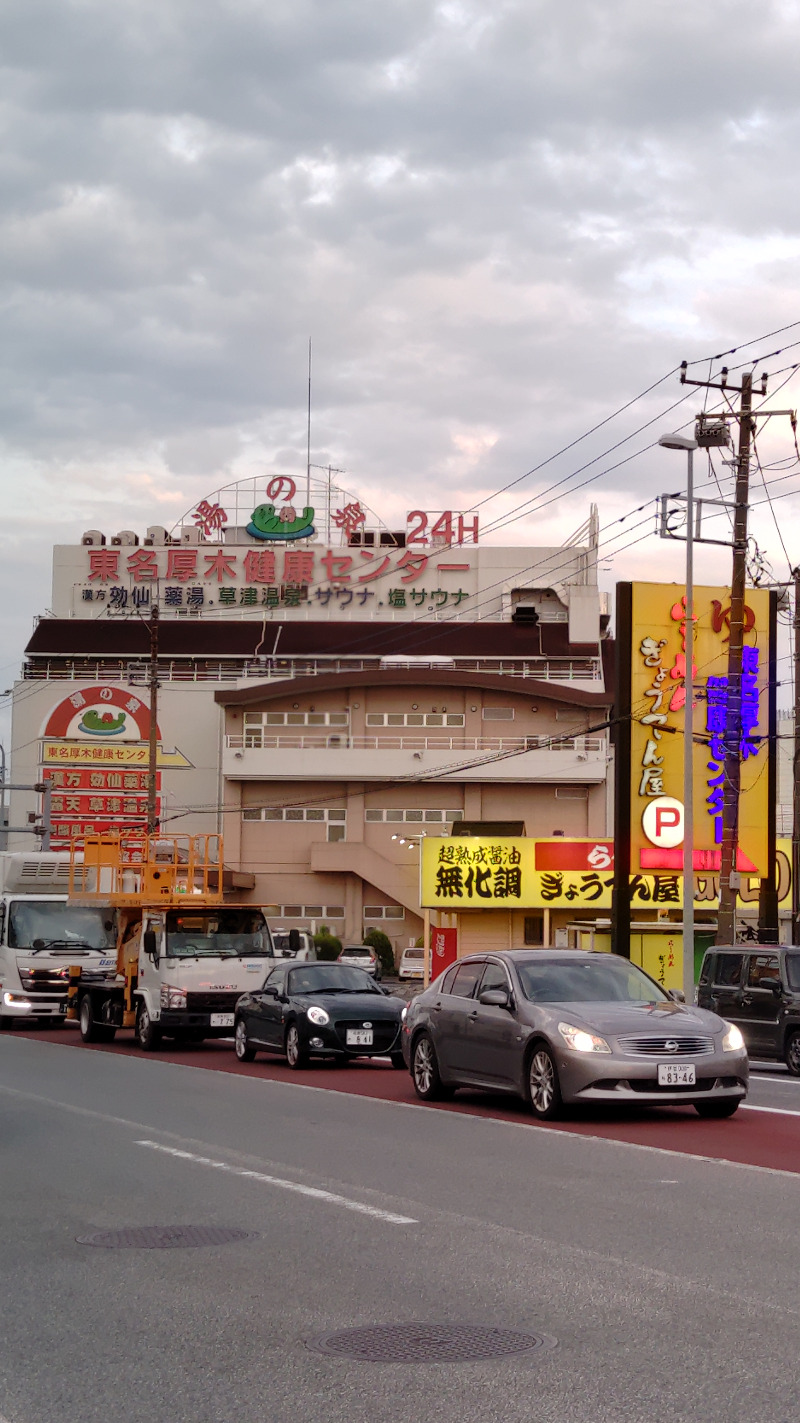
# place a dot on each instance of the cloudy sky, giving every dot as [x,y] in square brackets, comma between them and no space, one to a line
[499,221]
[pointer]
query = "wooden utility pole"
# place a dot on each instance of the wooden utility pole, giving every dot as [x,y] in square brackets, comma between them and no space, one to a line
[729,879]
[152,765]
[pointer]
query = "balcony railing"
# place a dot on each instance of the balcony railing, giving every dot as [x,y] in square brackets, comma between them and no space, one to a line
[583,671]
[258,740]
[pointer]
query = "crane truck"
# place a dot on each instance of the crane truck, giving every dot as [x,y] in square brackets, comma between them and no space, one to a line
[41,934]
[183,955]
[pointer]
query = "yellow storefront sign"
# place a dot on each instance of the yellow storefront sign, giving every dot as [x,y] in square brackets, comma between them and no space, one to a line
[462,873]
[90,753]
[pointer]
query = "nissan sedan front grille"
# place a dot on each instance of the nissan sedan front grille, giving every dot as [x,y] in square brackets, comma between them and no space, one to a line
[667,1046]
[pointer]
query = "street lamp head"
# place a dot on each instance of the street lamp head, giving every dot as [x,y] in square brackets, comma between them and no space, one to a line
[677,442]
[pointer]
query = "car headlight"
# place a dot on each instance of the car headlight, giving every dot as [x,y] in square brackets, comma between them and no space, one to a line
[733,1040]
[580,1041]
[318,1015]
[172,997]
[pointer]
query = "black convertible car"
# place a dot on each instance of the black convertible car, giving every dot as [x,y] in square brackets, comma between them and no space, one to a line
[319,1010]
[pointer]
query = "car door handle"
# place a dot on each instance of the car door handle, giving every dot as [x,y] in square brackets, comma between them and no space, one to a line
[745,1000]
[473,1016]
[437,1008]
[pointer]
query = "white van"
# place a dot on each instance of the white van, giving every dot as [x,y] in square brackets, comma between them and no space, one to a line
[412,964]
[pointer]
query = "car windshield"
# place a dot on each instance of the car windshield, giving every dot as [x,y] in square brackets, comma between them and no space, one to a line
[330,978]
[793,970]
[218,933]
[59,923]
[601,980]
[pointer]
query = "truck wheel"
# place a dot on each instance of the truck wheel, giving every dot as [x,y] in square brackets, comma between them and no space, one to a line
[89,1031]
[148,1033]
[792,1054]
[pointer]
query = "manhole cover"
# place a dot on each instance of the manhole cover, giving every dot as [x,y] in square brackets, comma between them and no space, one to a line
[427,1343]
[163,1237]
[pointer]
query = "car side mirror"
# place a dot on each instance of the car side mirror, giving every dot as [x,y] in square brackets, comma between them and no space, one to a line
[38,945]
[294,942]
[270,991]
[150,943]
[776,988]
[677,995]
[495,998]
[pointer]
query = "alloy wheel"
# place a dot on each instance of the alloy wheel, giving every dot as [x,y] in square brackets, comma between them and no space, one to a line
[542,1082]
[292,1045]
[423,1066]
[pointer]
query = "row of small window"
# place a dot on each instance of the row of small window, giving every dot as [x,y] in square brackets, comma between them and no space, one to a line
[415,817]
[312,718]
[293,812]
[336,911]
[295,718]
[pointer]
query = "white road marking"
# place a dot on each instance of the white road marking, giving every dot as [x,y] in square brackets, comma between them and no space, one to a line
[779,1111]
[314,1191]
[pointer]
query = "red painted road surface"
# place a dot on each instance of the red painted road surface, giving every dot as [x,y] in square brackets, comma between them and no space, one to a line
[767,1139]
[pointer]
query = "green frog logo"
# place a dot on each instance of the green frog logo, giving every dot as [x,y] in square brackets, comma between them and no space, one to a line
[102,723]
[277,528]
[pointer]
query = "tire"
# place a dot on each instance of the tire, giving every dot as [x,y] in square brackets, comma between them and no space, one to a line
[398,1062]
[543,1090]
[296,1055]
[148,1033]
[425,1071]
[242,1048]
[724,1108]
[791,1054]
[89,1029]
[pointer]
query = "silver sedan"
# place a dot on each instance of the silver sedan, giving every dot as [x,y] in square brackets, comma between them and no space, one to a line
[564,1026]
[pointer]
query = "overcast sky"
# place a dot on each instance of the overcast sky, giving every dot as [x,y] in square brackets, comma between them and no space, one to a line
[499,220]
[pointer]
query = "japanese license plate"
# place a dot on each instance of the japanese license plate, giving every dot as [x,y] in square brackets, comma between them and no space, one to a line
[672,1075]
[359,1037]
[222,1020]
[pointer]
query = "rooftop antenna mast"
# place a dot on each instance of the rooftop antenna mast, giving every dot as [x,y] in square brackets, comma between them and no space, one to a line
[308,432]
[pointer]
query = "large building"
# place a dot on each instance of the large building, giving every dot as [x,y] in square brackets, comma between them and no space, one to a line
[330,691]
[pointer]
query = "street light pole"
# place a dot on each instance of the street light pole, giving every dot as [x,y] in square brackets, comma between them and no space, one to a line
[682,442]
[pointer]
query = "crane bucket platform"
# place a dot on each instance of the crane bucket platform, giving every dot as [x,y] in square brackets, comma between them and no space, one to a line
[147,870]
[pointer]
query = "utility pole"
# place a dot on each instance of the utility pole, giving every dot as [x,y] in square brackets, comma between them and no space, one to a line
[796,771]
[796,767]
[152,682]
[729,878]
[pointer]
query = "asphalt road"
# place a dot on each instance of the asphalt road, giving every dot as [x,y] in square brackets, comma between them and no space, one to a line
[668,1281]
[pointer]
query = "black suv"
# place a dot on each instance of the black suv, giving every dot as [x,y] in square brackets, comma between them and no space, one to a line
[758,989]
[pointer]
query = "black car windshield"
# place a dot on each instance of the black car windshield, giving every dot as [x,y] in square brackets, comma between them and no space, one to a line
[793,970]
[329,978]
[218,933]
[55,921]
[601,980]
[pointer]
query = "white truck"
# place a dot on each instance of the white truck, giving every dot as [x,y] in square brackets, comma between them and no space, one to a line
[41,935]
[182,958]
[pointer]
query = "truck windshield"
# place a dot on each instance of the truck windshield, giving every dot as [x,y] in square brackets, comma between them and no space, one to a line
[218,933]
[56,922]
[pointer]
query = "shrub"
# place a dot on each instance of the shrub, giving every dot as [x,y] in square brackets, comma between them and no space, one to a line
[327,945]
[382,945]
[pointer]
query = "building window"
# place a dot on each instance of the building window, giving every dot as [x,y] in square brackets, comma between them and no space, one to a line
[498,713]
[335,813]
[415,719]
[384,911]
[572,792]
[430,817]
[310,911]
[292,718]
[336,832]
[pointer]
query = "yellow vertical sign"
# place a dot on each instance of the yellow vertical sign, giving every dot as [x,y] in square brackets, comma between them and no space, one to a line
[658,667]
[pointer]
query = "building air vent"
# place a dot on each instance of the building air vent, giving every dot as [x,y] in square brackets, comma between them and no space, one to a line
[93,536]
[126,538]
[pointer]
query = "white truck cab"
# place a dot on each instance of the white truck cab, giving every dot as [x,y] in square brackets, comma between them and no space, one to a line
[41,935]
